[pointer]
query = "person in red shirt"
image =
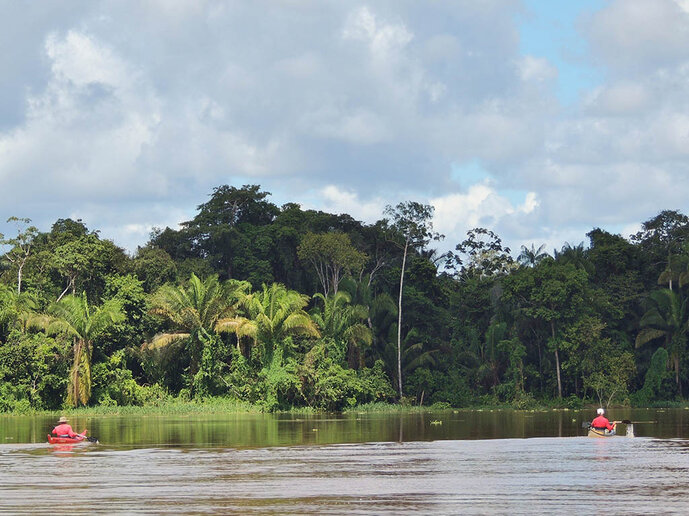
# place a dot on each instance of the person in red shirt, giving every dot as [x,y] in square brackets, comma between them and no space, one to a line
[601,422]
[63,429]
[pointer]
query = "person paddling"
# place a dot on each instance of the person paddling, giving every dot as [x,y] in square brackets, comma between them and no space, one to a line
[64,430]
[602,424]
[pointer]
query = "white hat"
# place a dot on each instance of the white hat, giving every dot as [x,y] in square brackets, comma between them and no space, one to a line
[600,411]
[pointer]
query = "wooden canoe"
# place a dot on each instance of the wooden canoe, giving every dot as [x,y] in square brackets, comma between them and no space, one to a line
[600,433]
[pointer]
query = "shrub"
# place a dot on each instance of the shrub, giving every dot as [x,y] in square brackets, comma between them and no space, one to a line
[113,383]
[441,405]
[35,366]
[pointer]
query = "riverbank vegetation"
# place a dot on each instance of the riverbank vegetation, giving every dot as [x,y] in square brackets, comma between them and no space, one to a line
[270,308]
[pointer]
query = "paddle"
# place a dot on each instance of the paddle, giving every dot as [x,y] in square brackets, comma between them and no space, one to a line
[85,438]
[586,424]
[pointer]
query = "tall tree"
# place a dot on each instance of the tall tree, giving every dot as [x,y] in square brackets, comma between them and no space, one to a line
[272,317]
[576,255]
[662,237]
[667,316]
[73,316]
[332,255]
[480,255]
[220,233]
[344,323]
[20,246]
[18,310]
[269,317]
[530,257]
[412,222]
[554,295]
[197,311]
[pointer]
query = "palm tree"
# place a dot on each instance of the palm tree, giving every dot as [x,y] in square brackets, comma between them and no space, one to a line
[531,257]
[19,310]
[495,334]
[268,318]
[667,316]
[74,317]
[675,272]
[418,351]
[381,320]
[576,255]
[197,312]
[344,323]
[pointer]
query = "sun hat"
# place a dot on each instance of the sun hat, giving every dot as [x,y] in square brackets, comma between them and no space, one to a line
[600,411]
[62,419]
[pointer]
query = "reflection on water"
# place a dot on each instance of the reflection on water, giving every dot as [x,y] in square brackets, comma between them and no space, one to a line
[471,463]
[259,430]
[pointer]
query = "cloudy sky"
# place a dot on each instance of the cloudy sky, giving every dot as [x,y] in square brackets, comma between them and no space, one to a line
[539,119]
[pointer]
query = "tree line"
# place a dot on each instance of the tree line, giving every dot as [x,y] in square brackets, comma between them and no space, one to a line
[282,307]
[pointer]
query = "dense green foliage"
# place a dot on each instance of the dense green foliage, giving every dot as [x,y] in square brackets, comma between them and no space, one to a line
[282,307]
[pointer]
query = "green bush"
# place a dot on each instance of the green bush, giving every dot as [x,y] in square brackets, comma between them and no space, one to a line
[35,366]
[439,386]
[327,385]
[658,382]
[241,379]
[524,401]
[113,383]
[14,398]
[278,384]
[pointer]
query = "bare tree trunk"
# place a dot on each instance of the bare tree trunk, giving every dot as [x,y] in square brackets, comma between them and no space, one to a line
[73,386]
[557,361]
[679,383]
[71,285]
[540,367]
[62,295]
[399,321]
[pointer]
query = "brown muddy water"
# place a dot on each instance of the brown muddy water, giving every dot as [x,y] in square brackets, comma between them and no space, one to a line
[468,462]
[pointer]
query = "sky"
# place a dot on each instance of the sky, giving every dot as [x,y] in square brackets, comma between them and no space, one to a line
[538,119]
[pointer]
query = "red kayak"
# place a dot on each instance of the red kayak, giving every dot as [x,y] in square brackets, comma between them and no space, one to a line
[79,438]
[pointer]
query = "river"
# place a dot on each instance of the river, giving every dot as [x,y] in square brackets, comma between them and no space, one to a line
[469,462]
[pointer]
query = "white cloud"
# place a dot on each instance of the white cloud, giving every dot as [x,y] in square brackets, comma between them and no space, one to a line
[480,206]
[78,59]
[536,69]
[624,98]
[635,35]
[333,199]
[384,39]
[683,4]
[133,105]
[84,133]
[358,126]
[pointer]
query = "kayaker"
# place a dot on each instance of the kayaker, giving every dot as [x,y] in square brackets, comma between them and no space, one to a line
[63,429]
[601,422]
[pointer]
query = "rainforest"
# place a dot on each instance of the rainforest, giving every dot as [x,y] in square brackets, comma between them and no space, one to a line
[278,308]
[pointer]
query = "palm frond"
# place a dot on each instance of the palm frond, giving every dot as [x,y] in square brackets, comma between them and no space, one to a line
[647,335]
[165,339]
